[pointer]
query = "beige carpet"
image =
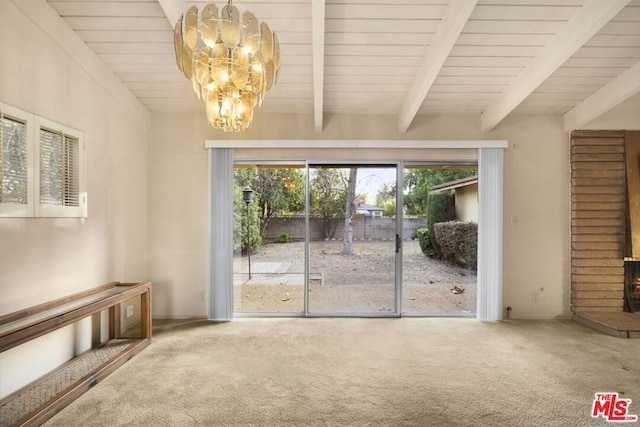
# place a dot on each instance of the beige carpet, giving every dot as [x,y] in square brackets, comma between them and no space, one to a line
[364,372]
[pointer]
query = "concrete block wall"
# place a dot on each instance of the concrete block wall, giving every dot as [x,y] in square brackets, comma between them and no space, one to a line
[365,227]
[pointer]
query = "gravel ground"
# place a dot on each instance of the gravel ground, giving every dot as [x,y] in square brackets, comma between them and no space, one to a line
[359,283]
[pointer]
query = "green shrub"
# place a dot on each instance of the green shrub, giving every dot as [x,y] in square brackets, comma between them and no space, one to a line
[422,234]
[458,242]
[441,207]
[283,238]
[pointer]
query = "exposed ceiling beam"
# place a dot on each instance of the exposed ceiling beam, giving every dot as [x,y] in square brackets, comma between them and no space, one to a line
[586,22]
[317,27]
[622,87]
[173,9]
[453,21]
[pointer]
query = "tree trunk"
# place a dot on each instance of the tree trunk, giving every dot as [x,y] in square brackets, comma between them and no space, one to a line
[350,211]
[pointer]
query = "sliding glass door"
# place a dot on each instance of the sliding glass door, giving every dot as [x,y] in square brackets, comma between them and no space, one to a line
[349,239]
[269,238]
[388,281]
[440,261]
[353,248]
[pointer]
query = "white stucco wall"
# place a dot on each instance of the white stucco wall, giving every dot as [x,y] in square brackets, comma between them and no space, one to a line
[467,203]
[42,259]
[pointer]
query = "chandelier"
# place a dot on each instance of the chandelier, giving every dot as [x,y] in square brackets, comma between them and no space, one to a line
[231,63]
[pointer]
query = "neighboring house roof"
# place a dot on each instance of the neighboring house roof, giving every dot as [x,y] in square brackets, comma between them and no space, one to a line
[365,207]
[455,184]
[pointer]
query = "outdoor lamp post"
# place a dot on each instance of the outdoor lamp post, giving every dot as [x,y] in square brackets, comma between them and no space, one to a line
[247,195]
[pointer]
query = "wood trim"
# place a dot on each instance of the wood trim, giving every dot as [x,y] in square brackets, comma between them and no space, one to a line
[41,415]
[20,335]
[596,134]
[115,328]
[108,296]
[30,311]
[632,147]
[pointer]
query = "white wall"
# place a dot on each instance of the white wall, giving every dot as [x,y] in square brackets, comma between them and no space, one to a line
[467,203]
[536,267]
[616,120]
[42,259]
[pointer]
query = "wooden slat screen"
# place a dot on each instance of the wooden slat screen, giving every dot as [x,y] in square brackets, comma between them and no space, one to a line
[598,203]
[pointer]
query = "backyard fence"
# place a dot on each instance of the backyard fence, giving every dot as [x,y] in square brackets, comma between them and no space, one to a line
[364,228]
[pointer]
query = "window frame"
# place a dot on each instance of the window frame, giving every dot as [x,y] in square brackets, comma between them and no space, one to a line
[33,208]
[53,211]
[13,210]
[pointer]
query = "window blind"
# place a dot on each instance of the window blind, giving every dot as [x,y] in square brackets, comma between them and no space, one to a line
[59,169]
[13,161]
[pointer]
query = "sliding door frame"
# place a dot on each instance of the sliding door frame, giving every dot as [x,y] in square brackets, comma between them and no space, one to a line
[298,164]
[418,164]
[490,158]
[398,232]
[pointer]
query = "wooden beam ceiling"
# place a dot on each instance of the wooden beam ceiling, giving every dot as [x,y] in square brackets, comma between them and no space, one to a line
[583,25]
[317,24]
[618,90]
[453,21]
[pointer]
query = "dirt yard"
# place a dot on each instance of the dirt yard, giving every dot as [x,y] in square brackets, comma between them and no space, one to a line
[360,283]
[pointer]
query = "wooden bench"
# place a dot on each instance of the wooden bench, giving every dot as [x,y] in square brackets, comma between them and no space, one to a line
[40,400]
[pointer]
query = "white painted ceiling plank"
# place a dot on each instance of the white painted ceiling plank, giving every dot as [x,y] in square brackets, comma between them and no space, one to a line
[118,23]
[92,36]
[511,51]
[453,21]
[131,48]
[374,50]
[370,71]
[586,22]
[104,8]
[377,26]
[503,39]
[379,39]
[526,12]
[143,68]
[318,22]
[608,52]
[372,61]
[374,80]
[386,11]
[495,26]
[620,89]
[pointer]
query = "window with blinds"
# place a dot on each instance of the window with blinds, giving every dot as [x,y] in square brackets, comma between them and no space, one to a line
[13,161]
[59,169]
[42,167]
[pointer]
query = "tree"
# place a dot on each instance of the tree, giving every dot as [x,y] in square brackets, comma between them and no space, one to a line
[350,210]
[328,198]
[386,199]
[277,191]
[386,193]
[389,208]
[418,181]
